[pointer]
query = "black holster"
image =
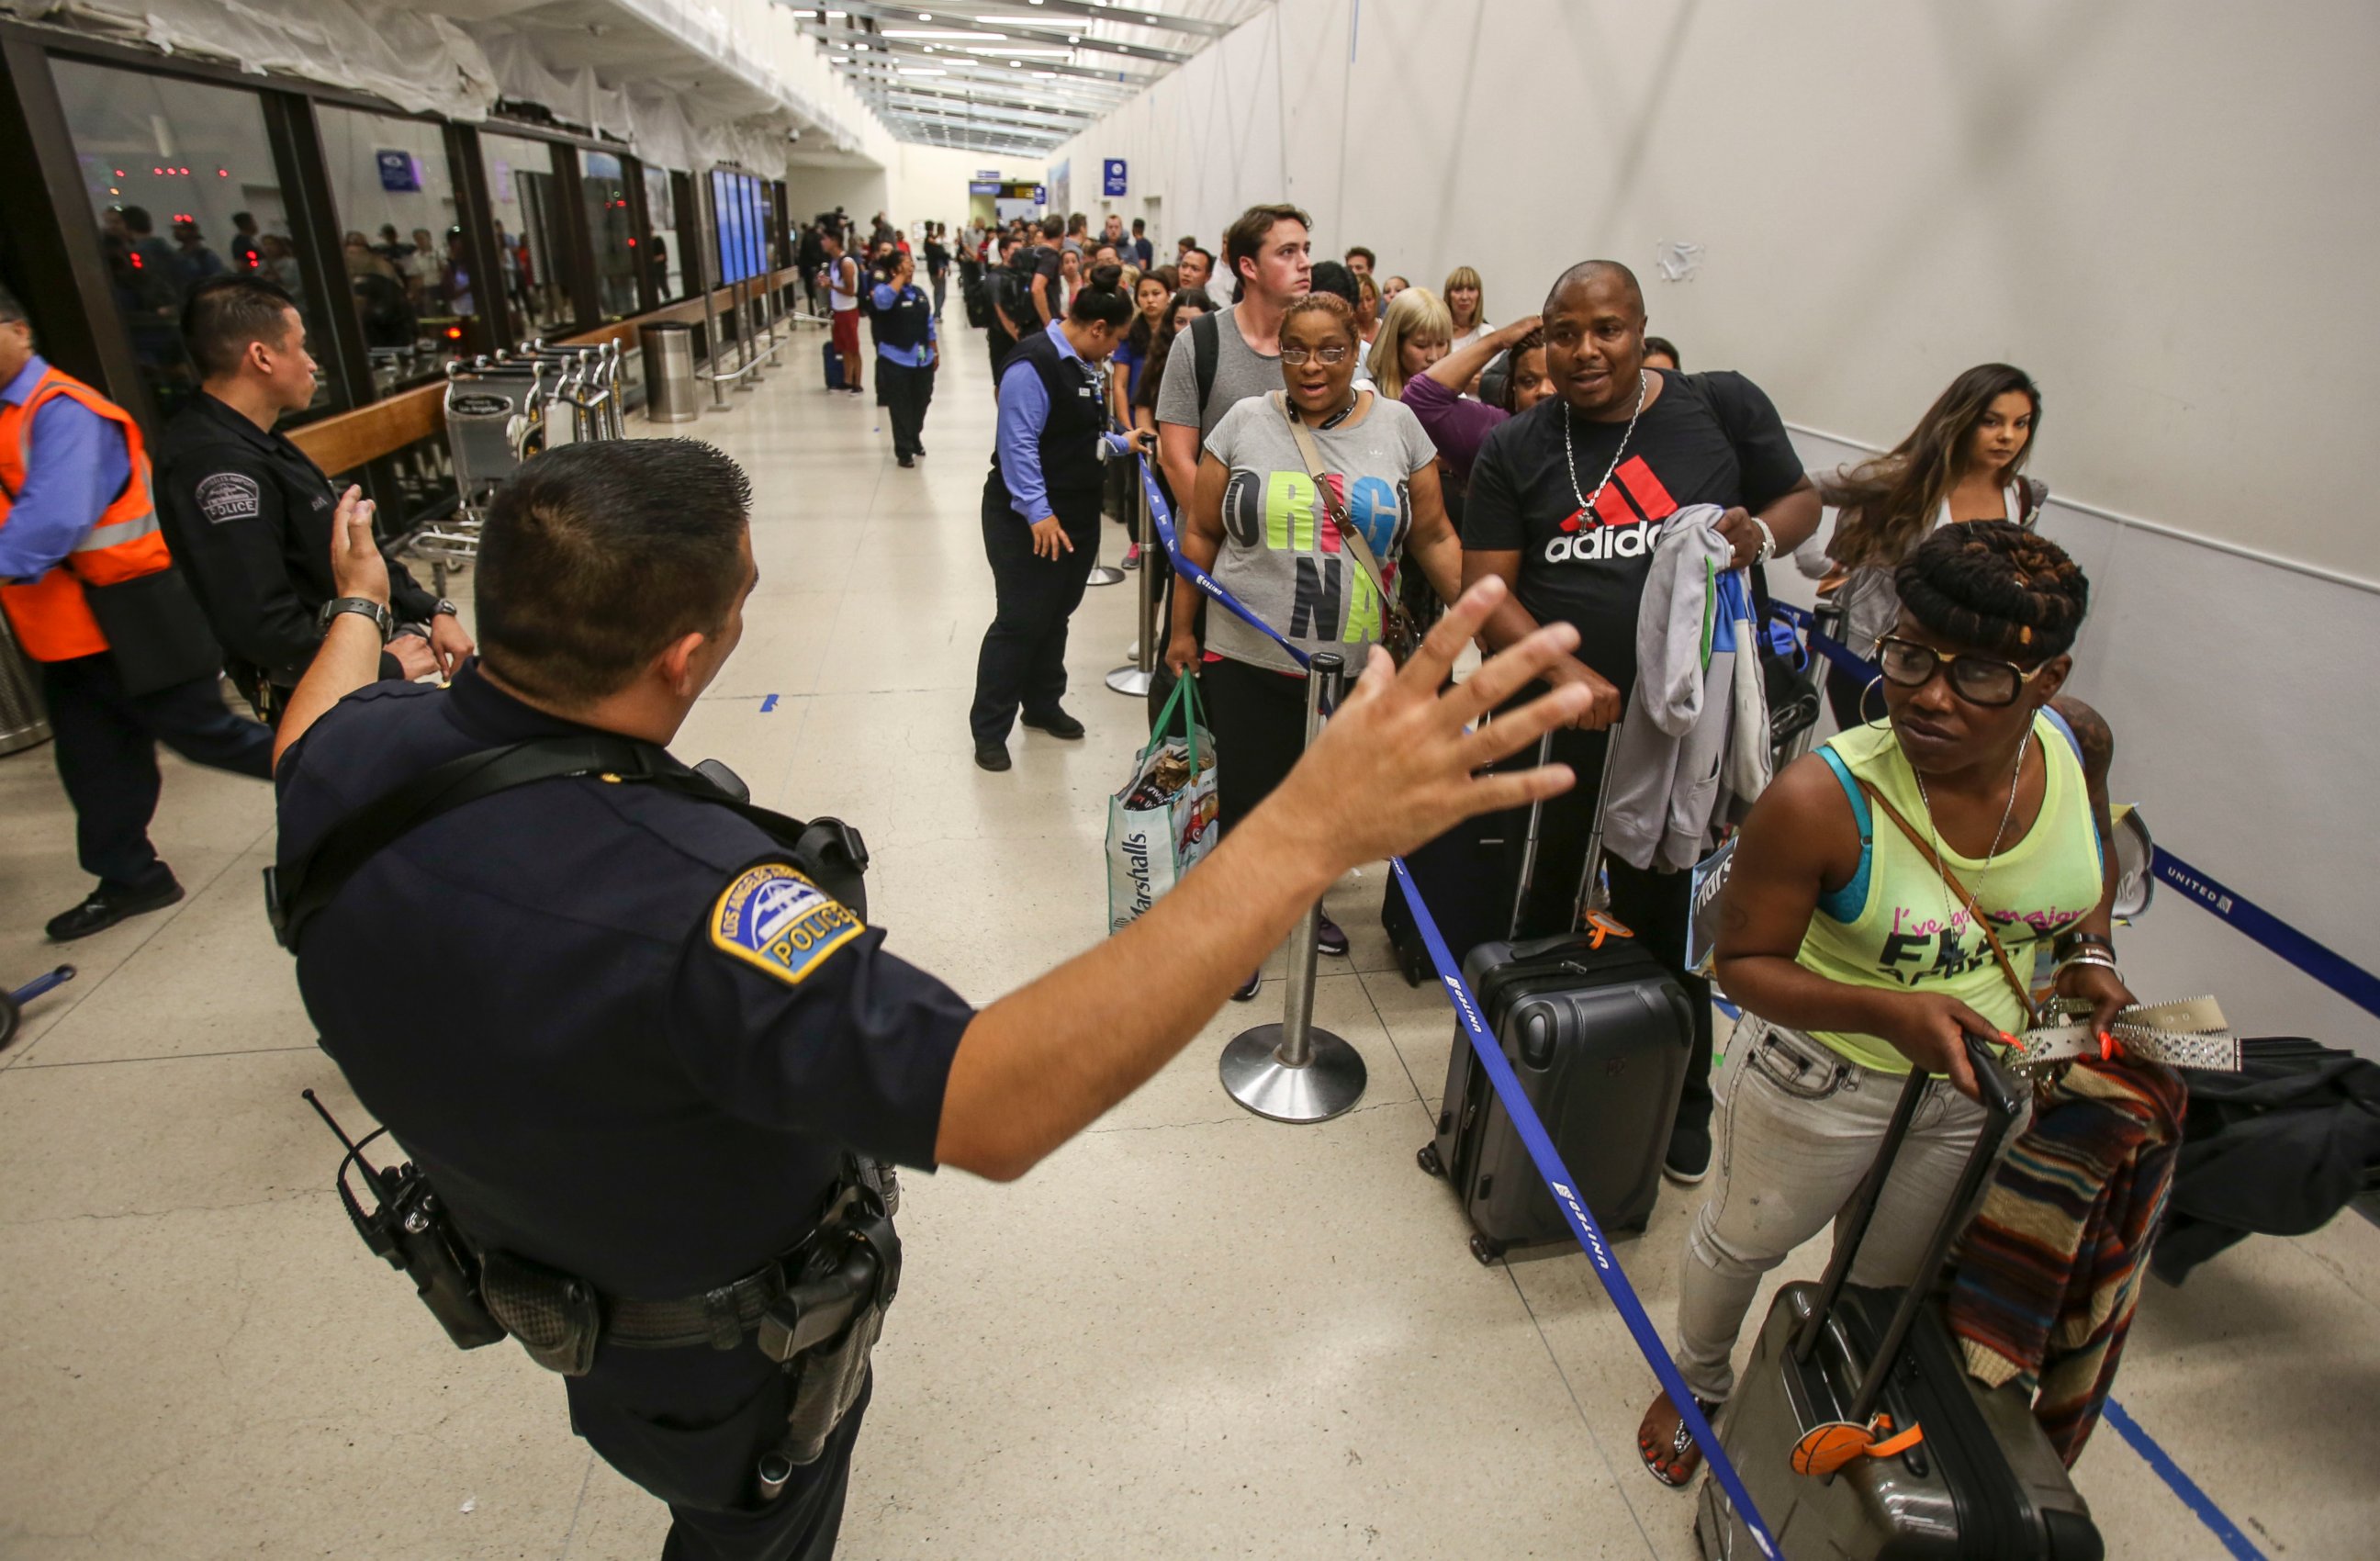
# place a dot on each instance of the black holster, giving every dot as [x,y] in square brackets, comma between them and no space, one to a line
[824,1327]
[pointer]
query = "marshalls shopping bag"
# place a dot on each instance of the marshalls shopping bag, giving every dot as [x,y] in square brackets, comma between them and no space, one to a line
[1164,819]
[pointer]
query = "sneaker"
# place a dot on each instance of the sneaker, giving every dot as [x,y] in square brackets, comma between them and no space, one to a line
[1689,1158]
[1250,988]
[1330,938]
[991,756]
[1057,724]
[106,907]
[1132,556]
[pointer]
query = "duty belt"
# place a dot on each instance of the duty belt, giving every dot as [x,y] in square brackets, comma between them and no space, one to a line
[718,1318]
[2190,1034]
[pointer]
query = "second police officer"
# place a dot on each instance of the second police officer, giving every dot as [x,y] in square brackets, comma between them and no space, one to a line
[248,514]
[666,1030]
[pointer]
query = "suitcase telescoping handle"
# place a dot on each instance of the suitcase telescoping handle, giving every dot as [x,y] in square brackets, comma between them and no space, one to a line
[2003,1104]
[1591,892]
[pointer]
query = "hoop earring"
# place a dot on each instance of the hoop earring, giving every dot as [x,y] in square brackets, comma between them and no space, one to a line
[1872,684]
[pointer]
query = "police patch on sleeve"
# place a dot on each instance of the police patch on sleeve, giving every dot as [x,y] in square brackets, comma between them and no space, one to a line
[229,496]
[774,917]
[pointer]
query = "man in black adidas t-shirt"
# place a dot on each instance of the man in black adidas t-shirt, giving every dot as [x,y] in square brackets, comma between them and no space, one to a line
[1566,500]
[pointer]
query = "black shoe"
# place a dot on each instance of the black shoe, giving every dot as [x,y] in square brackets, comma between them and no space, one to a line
[1690,1155]
[106,908]
[907,462]
[1057,724]
[1250,988]
[916,450]
[991,756]
[1330,938]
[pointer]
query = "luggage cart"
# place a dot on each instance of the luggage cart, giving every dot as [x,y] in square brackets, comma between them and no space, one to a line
[496,417]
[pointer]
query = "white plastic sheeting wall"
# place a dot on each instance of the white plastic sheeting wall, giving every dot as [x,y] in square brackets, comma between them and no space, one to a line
[2161,207]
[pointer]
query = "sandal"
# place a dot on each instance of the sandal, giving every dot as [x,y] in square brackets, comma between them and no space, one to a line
[1665,1444]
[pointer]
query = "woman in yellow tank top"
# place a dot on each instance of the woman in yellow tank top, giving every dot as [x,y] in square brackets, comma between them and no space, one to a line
[1853,958]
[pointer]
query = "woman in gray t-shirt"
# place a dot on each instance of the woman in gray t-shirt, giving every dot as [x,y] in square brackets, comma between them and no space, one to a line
[1260,526]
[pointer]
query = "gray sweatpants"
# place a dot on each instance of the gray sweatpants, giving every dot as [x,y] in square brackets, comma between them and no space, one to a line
[1796,1129]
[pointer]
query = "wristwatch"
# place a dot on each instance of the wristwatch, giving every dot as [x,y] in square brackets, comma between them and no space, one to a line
[446,607]
[378,613]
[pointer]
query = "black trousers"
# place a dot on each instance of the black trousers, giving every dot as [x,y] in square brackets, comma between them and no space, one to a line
[1258,719]
[690,1426]
[905,392]
[105,742]
[1656,906]
[1023,665]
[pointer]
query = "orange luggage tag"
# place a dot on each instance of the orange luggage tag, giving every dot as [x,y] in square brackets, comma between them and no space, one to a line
[1826,1449]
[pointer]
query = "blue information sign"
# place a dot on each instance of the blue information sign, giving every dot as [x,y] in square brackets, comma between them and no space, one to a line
[1111,177]
[397,171]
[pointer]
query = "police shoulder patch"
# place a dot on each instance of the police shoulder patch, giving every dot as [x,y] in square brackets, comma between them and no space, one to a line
[774,917]
[229,496]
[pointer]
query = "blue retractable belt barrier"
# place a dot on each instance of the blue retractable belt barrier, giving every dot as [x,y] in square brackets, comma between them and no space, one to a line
[2323,962]
[1590,1235]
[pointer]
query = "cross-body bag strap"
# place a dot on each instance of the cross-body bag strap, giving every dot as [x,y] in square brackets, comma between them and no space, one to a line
[1975,912]
[1349,532]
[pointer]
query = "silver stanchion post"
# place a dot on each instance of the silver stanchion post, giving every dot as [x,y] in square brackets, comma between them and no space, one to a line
[1292,1071]
[718,352]
[1134,680]
[748,349]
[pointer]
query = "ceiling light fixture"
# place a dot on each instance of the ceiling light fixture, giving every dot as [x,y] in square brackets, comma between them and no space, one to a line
[944,35]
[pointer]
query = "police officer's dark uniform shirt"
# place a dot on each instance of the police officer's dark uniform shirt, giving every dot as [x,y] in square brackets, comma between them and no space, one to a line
[248,518]
[1710,438]
[640,1041]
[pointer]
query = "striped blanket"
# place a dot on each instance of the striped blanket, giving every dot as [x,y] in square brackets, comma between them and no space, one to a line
[2050,1271]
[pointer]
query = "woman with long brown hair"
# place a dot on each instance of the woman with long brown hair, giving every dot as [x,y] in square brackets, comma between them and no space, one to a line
[1963,462]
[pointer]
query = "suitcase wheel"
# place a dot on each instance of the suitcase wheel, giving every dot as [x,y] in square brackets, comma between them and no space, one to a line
[1427,1158]
[1414,968]
[1486,1251]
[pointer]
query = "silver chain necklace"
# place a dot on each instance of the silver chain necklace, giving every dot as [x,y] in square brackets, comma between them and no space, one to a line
[1941,866]
[1570,462]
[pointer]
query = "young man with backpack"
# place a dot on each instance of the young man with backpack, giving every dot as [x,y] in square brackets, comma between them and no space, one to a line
[843,301]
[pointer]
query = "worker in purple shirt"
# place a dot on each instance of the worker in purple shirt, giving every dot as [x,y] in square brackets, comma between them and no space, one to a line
[75,518]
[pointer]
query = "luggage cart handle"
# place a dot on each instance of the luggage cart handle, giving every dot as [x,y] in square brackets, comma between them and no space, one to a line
[1591,893]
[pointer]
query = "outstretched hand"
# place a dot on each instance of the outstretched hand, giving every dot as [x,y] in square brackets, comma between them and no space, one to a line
[1399,762]
[356,567]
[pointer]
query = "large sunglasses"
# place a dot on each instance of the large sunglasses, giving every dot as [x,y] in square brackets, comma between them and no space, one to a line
[1979,680]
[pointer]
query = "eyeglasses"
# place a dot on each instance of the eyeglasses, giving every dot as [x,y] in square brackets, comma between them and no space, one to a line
[1979,680]
[1297,357]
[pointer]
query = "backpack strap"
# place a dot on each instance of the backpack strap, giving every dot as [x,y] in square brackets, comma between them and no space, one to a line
[1207,351]
[831,852]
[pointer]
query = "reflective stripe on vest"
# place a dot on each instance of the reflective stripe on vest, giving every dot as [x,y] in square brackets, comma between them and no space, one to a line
[52,618]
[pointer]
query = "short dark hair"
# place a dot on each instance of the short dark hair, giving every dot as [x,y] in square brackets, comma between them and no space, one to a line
[225,313]
[596,557]
[1053,226]
[1588,270]
[1331,277]
[1369,258]
[1102,300]
[1205,255]
[1139,225]
[1244,240]
[10,310]
[1666,348]
[1995,585]
[137,219]
[241,219]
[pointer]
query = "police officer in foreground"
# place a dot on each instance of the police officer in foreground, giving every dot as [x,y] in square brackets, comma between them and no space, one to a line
[666,1030]
[247,514]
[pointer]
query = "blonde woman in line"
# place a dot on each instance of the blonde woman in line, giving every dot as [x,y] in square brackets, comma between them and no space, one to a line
[1414,335]
[1467,305]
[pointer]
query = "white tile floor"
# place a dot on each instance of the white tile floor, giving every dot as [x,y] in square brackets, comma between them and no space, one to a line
[1190,1332]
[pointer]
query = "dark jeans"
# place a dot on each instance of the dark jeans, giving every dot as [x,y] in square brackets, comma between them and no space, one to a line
[1655,906]
[690,1426]
[905,392]
[1258,719]
[1023,660]
[942,290]
[107,751]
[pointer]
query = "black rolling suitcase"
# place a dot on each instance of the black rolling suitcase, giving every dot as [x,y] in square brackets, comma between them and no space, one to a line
[1981,1482]
[1598,1035]
[833,367]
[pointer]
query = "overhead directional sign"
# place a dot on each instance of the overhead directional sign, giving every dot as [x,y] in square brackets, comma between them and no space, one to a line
[1113,182]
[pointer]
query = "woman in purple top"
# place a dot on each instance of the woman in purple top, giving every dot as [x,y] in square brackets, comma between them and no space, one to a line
[1457,424]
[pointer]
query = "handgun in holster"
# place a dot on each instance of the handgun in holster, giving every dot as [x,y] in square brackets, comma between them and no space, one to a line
[411,1229]
[824,1325]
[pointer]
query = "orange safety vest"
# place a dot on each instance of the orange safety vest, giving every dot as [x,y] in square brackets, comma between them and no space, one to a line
[51,616]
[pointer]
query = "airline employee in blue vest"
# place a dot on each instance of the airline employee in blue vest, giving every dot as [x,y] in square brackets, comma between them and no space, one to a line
[908,346]
[1041,513]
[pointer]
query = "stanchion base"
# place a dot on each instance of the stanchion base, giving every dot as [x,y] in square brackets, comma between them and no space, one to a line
[1132,680]
[1253,1075]
[1106,575]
